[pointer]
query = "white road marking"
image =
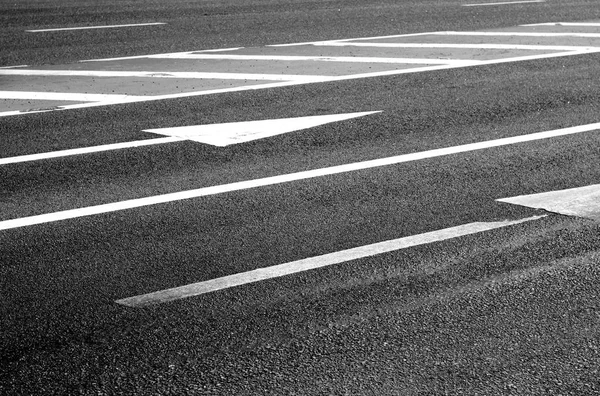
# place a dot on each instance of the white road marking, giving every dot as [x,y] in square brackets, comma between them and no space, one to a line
[582,24]
[66,96]
[240,132]
[158,55]
[311,263]
[86,150]
[273,180]
[156,74]
[519,34]
[345,59]
[95,27]
[466,46]
[503,3]
[579,202]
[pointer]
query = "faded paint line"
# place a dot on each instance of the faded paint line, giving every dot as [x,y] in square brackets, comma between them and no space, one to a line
[157,74]
[504,3]
[87,150]
[346,59]
[311,263]
[95,27]
[273,180]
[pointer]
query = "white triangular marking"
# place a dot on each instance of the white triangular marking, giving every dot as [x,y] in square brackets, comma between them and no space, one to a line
[580,202]
[240,132]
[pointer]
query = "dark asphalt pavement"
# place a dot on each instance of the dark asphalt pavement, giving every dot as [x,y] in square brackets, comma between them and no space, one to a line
[511,311]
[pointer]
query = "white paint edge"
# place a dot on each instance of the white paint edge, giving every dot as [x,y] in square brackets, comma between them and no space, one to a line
[87,150]
[261,274]
[95,27]
[273,180]
[349,39]
[503,3]
[158,74]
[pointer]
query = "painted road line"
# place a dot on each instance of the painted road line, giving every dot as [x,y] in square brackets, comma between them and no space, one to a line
[464,46]
[345,59]
[96,27]
[274,180]
[87,150]
[146,74]
[261,274]
[504,3]
[157,55]
[575,24]
[579,202]
[241,132]
[520,34]
[65,96]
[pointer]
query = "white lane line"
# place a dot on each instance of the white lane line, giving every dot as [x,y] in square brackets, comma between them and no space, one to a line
[503,3]
[520,34]
[575,24]
[156,74]
[260,274]
[349,39]
[579,202]
[96,27]
[465,46]
[87,150]
[273,180]
[60,96]
[346,59]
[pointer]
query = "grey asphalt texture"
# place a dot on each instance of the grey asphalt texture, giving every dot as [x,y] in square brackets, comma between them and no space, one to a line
[512,311]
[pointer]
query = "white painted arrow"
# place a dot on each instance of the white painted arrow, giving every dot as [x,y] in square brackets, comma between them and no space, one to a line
[240,132]
[580,202]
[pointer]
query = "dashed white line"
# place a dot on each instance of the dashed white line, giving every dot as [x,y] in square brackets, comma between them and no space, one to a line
[196,289]
[273,180]
[95,27]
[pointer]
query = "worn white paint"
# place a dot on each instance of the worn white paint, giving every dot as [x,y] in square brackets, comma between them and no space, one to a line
[311,263]
[65,96]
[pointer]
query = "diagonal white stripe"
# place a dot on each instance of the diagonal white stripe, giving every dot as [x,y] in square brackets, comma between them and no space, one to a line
[307,264]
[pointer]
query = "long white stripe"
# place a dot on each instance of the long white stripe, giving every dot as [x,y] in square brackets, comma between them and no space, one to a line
[504,2]
[348,39]
[348,59]
[87,150]
[273,180]
[95,27]
[66,96]
[452,45]
[156,74]
[311,263]
[582,24]
[520,34]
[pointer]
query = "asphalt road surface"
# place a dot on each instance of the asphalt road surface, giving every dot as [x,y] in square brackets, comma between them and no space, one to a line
[397,231]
